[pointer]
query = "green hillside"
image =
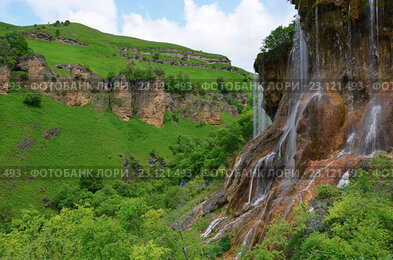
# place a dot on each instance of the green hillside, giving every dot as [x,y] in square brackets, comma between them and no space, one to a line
[103,54]
[165,165]
[87,137]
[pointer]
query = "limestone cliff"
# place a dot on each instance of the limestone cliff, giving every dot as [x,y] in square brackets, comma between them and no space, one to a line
[4,80]
[147,100]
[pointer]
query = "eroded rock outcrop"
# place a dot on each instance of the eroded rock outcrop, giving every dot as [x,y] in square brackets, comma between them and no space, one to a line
[146,100]
[4,79]
[150,102]
[45,36]
[207,109]
[121,100]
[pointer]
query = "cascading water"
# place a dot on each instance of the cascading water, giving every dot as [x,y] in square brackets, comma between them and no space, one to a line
[298,70]
[265,162]
[349,39]
[212,226]
[369,139]
[344,180]
[373,59]
[370,133]
[317,57]
[261,119]
[238,162]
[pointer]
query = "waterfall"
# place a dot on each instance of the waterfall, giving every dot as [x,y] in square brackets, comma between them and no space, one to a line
[317,57]
[238,162]
[369,142]
[298,70]
[373,39]
[212,226]
[261,120]
[349,39]
[344,180]
[265,162]
[244,243]
[316,175]
[348,147]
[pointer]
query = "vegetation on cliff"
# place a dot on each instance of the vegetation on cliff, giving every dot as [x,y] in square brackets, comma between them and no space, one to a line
[278,41]
[353,222]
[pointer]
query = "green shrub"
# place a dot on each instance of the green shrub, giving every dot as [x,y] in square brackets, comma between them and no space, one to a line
[92,182]
[327,192]
[239,107]
[381,162]
[156,56]
[221,85]
[218,249]
[33,100]
[19,75]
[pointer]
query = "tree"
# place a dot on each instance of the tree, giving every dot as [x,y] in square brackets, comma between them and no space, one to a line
[130,214]
[12,46]
[67,22]
[221,85]
[278,40]
[148,251]
[57,33]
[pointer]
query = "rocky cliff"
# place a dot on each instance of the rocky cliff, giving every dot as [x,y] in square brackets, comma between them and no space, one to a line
[147,100]
[339,112]
[4,80]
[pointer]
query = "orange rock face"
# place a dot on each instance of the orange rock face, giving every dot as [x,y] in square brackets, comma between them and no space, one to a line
[336,126]
[4,80]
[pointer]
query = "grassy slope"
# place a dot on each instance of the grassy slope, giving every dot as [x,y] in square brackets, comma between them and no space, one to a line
[102,57]
[87,138]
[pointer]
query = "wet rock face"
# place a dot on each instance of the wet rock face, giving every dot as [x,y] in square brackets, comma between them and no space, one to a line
[272,73]
[323,124]
[4,80]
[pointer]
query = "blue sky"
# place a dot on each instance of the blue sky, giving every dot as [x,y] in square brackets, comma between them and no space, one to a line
[234,28]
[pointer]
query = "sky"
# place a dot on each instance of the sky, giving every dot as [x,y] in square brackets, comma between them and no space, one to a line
[234,28]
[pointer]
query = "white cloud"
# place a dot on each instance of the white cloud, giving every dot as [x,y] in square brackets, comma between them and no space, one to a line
[237,34]
[99,14]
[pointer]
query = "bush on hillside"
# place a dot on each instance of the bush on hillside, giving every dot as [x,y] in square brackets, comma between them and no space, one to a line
[135,74]
[179,84]
[33,100]
[91,182]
